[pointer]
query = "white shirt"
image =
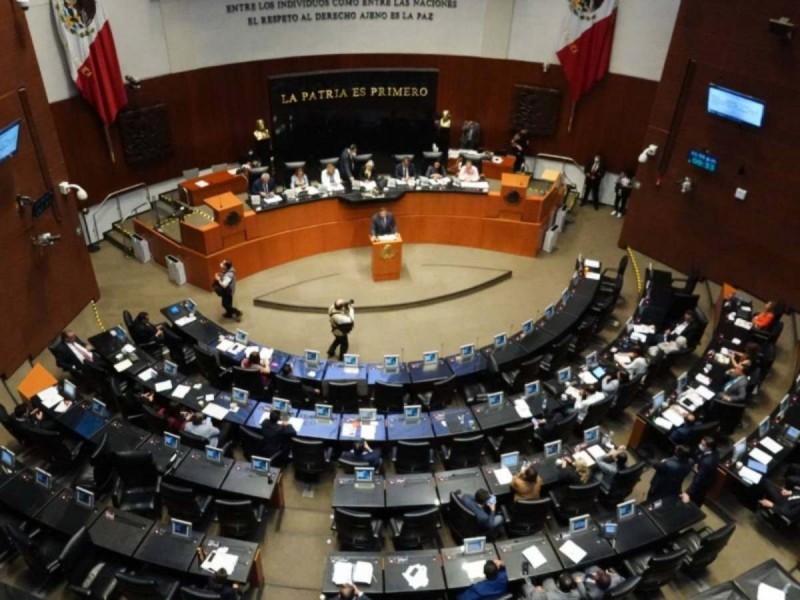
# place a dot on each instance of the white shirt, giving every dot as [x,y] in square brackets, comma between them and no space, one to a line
[80,352]
[331,181]
[468,175]
[637,366]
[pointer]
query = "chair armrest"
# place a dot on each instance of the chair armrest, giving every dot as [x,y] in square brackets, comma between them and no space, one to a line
[396,525]
[328,454]
[393,454]
[158,485]
[506,514]
[554,499]
[79,591]
[259,510]
[431,457]
[377,526]
[203,503]
[171,590]
[495,442]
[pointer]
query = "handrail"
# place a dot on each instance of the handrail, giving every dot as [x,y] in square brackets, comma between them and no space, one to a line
[115,196]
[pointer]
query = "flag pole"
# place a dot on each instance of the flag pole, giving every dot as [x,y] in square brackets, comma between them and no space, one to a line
[571,117]
[108,143]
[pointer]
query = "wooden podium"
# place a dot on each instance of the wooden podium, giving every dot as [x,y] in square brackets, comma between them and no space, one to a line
[229,213]
[387,259]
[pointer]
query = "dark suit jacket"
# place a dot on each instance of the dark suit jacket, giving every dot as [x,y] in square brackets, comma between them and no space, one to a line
[691,332]
[277,437]
[601,170]
[789,508]
[378,228]
[398,170]
[706,474]
[258,186]
[142,332]
[668,478]
[347,165]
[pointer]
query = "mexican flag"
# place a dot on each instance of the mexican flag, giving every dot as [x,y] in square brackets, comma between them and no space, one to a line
[586,46]
[91,55]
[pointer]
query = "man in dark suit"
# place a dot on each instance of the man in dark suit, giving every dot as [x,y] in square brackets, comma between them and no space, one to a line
[144,332]
[670,474]
[688,327]
[594,171]
[77,356]
[783,502]
[277,437]
[705,472]
[347,167]
[264,186]
[405,170]
[383,223]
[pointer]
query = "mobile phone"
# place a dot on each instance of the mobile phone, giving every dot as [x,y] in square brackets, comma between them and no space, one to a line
[526,567]
[492,500]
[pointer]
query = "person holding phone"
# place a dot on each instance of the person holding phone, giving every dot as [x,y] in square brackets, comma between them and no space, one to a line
[484,505]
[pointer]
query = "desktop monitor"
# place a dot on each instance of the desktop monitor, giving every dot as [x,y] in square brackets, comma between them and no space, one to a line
[323,411]
[43,478]
[259,464]
[659,399]
[240,396]
[467,352]
[782,407]
[364,475]
[172,441]
[579,523]
[7,457]
[756,466]
[626,509]
[763,427]
[739,449]
[527,327]
[181,528]
[549,311]
[311,357]
[591,360]
[792,433]
[609,530]
[591,435]
[391,363]
[510,460]
[367,415]
[430,358]
[474,545]
[565,294]
[351,361]
[69,389]
[214,454]
[494,400]
[241,337]
[98,407]
[282,405]
[683,379]
[552,449]
[500,340]
[564,375]
[532,388]
[412,412]
[170,368]
[191,305]
[84,497]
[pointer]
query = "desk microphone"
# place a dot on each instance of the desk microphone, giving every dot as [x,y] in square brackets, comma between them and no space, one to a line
[402,355]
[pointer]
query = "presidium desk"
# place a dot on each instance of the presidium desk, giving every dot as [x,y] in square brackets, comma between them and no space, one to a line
[258,240]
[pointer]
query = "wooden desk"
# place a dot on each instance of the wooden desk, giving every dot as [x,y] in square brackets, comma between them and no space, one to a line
[229,215]
[387,259]
[34,382]
[218,183]
[494,170]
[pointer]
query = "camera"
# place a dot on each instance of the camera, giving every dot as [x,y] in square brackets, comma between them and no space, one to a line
[24,4]
[351,302]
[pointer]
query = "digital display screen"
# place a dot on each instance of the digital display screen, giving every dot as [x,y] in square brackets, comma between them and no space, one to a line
[564,374]
[43,478]
[213,454]
[739,448]
[658,400]
[191,305]
[532,388]
[9,140]
[181,528]
[430,358]
[351,360]
[735,106]
[474,545]
[84,497]
[98,407]
[69,389]
[367,415]
[591,435]
[171,440]
[391,362]
[323,411]
[412,412]
[364,475]
[312,356]
[241,336]
[7,457]
[500,340]
[577,524]
[591,360]
[763,427]
[552,449]
[281,405]
[467,351]
[239,396]
[792,433]
[527,327]
[494,399]
[549,312]
[510,460]
[702,160]
[170,368]
[625,509]
[260,464]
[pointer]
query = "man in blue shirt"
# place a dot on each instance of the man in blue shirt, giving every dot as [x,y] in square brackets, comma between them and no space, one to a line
[494,586]
[484,505]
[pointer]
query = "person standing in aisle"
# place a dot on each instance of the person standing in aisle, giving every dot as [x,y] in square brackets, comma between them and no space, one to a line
[225,287]
[342,319]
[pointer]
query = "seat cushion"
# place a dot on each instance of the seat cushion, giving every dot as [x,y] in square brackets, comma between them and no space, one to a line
[636,565]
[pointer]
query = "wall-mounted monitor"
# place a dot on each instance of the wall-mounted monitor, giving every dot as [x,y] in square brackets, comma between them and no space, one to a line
[735,106]
[703,160]
[9,140]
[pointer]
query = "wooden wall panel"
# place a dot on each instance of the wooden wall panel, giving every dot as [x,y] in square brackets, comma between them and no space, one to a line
[43,289]
[751,244]
[212,112]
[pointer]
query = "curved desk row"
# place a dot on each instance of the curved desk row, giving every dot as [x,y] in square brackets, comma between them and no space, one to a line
[260,239]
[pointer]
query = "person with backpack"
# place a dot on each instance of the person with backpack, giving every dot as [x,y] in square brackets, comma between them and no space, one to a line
[342,319]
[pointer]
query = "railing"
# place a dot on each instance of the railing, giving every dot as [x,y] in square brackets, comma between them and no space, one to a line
[107,202]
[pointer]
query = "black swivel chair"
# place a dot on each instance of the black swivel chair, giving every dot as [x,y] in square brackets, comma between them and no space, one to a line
[389,397]
[728,414]
[596,413]
[557,356]
[514,438]
[462,521]
[292,389]
[98,475]
[13,427]
[526,517]
[574,500]
[514,380]
[463,451]
[182,502]
[626,589]
[136,488]
[193,593]
[412,457]
[88,573]
[702,547]
[250,380]
[626,395]
[53,446]
[197,442]
[655,570]
[152,347]
[156,423]
[441,394]
[343,395]
[238,518]
[251,442]
[565,430]
[710,428]
[622,485]
[357,530]
[146,587]
[415,529]
[208,365]
[40,554]
[310,458]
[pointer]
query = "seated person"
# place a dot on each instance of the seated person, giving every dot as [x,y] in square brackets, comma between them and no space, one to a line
[527,484]
[735,388]
[144,332]
[494,586]
[264,186]
[349,591]
[175,417]
[595,582]
[80,355]
[611,464]
[783,502]
[563,588]
[744,361]
[288,371]
[32,415]
[687,327]
[667,347]
[299,179]
[330,177]
[484,505]
[547,426]
[218,583]
[435,171]
[201,425]
[368,171]
[362,452]
[405,170]
[589,395]
[277,436]
[612,382]
[683,433]
[254,361]
[469,173]
[637,364]
[766,317]
[573,471]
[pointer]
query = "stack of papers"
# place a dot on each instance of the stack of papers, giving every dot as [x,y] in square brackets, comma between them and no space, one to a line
[220,559]
[572,551]
[50,397]
[503,476]
[663,423]
[347,572]
[147,374]
[704,379]
[163,386]
[297,423]
[349,429]
[523,410]
[761,456]
[587,378]
[225,345]
[215,411]
[771,445]
[123,365]
[597,451]
[534,556]
[185,320]
[743,324]
[706,393]
[180,391]
[368,431]
[749,475]
[474,569]
[672,416]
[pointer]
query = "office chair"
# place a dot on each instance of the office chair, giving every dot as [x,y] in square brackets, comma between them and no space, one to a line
[136,488]
[14,428]
[727,414]
[238,518]
[88,573]
[59,351]
[462,520]
[654,570]
[152,347]
[182,502]
[626,589]
[146,587]
[389,397]
[292,389]
[412,456]
[441,395]
[53,446]
[310,457]
[209,367]
[251,442]
[156,423]
[526,517]
[98,474]
[702,547]
[514,380]
[622,485]
[193,593]
[357,530]
[574,500]
[250,380]
[564,430]
[349,466]
[626,395]
[596,413]
[40,554]
[196,442]
[585,332]
[557,356]
[514,438]
[611,280]
[415,529]
[463,451]
[343,395]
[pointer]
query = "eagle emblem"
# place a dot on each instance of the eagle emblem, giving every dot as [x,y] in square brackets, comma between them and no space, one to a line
[77,16]
[388,252]
[233,219]
[585,9]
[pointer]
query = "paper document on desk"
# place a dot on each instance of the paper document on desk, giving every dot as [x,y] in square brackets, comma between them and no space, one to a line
[597,451]
[704,379]
[128,348]
[389,237]
[50,397]
[503,476]
[639,337]
[767,592]
[672,416]
[749,475]
[591,263]
[663,423]
[587,458]
[592,275]
[147,374]
[225,345]
[416,576]
[297,423]
[342,572]
[349,429]
[180,391]
[761,456]
[522,408]
[706,393]
[369,431]
[123,365]
[215,411]
[201,183]
[362,572]
[183,321]
[587,378]
[572,551]
[770,445]
[474,569]
[163,386]
[220,559]
[743,324]
[534,556]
